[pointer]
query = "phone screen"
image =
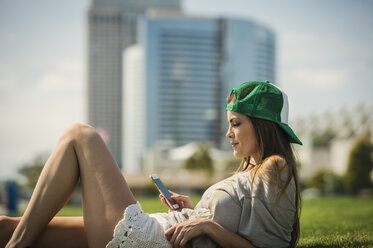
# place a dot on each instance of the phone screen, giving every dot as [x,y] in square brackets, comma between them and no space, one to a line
[164,191]
[161,186]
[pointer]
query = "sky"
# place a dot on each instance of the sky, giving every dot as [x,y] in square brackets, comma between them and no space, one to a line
[324,62]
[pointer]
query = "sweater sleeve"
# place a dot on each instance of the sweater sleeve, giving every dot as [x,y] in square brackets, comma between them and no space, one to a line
[265,220]
[252,211]
[225,211]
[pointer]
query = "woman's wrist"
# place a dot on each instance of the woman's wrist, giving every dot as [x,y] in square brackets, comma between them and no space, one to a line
[208,227]
[222,236]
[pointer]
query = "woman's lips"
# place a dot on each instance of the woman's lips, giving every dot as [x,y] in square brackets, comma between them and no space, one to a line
[234,144]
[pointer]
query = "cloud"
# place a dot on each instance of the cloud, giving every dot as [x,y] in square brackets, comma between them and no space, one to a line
[324,48]
[34,115]
[322,79]
[67,78]
[323,61]
[8,80]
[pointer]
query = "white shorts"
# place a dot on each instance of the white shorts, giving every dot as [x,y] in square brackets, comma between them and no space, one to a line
[138,229]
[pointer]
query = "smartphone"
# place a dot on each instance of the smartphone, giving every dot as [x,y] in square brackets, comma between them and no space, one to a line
[164,191]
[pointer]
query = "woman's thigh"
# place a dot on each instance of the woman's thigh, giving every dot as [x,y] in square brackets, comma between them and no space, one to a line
[105,193]
[64,232]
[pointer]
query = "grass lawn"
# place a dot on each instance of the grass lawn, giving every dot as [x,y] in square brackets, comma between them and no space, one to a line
[149,205]
[337,222]
[325,222]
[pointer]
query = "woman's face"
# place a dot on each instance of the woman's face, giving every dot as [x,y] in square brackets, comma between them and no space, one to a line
[242,136]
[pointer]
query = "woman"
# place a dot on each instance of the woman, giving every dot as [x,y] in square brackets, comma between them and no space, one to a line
[256,207]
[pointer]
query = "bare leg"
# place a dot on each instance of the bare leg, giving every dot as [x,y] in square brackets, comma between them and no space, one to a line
[61,232]
[80,152]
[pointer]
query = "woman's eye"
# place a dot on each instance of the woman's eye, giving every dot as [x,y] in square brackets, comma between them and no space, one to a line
[236,124]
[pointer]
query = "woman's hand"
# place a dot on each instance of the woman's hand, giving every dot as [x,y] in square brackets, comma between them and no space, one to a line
[181,233]
[182,200]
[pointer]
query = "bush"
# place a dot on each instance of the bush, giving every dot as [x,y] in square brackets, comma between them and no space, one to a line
[200,160]
[326,181]
[31,171]
[323,139]
[231,165]
[359,166]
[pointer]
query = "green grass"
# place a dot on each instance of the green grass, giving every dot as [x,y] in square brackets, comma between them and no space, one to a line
[325,222]
[337,222]
[149,205]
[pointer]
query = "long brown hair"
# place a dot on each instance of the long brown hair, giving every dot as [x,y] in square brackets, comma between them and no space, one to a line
[273,143]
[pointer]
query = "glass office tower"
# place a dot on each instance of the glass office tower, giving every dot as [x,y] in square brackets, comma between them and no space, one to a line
[248,54]
[182,79]
[187,66]
[112,27]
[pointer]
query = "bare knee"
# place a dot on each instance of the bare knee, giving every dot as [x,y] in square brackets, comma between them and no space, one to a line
[80,132]
[6,221]
[7,226]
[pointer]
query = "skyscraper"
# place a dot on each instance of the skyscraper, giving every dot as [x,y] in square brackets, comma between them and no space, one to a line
[182,79]
[187,65]
[112,28]
[248,54]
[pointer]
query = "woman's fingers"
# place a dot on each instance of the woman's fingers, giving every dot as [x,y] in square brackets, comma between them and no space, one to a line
[168,233]
[172,233]
[178,202]
[181,233]
[163,200]
[178,237]
[183,242]
[183,201]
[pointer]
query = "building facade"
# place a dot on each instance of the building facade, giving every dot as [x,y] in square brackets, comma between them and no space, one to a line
[182,79]
[329,137]
[112,27]
[188,65]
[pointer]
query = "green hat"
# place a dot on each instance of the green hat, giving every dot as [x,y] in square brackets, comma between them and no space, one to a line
[265,101]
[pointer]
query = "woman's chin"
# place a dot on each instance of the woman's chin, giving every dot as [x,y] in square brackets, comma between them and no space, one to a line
[237,154]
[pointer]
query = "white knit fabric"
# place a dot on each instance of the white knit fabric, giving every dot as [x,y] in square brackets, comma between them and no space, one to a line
[138,229]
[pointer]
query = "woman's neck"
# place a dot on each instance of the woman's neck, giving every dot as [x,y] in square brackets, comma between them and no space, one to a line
[250,163]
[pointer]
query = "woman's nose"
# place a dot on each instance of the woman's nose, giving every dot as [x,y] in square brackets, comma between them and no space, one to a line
[229,133]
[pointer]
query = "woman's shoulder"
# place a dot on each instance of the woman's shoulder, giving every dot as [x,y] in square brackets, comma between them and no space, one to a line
[275,163]
[273,168]
[273,171]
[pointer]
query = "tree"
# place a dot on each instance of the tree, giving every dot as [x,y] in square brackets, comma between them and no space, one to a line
[326,181]
[200,160]
[323,139]
[231,165]
[31,171]
[359,166]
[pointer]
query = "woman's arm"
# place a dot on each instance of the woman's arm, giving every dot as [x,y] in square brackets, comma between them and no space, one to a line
[181,233]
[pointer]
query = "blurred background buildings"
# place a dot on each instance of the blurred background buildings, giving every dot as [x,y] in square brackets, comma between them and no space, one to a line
[169,86]
[157,79]
[112,28]
[152,64]
[329,137]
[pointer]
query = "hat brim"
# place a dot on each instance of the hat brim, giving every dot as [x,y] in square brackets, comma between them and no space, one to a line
[290,133]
